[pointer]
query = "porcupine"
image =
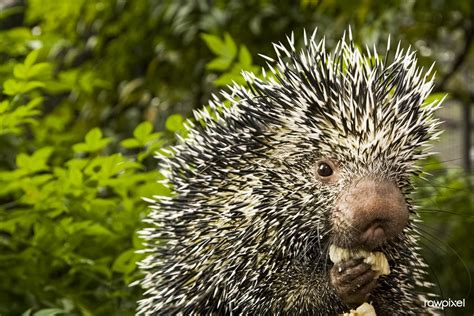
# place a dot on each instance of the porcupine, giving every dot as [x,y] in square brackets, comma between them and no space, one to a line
[319,152]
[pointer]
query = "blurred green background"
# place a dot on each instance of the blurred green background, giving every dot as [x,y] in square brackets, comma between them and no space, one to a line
[90,89]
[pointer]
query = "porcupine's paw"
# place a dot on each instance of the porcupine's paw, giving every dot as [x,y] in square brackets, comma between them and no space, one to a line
[353,280]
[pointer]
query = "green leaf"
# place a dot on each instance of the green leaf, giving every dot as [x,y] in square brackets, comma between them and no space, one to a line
[130,143]
[225,48]
[49,312]
[11,87]
[219,63]
[142,131]
[152,137]
[94,136]
[81,147]
[27,313]
[20,71]
[244,56]
[32,85]
[41,70]
[42,155]
[35,102]
[31,58]
[103,168]
[215,44]
[76,176]
[174,122]
[36,162]
[77,163]
[228,79]
[29,70]
[230,47]
[97,230]
[93,142]
[125,263]
[14,87]
[4,105]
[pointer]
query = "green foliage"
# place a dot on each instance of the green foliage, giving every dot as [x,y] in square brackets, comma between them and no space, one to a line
[72,224]
[93,142]
[227,60]
[70,197]
[90,90]
[22,103]
[447,205]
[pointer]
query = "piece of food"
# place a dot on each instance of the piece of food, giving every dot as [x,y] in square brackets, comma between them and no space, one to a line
[376,260]
[363,310]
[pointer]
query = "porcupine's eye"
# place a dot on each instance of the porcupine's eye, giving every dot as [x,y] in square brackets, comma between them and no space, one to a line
[324,170]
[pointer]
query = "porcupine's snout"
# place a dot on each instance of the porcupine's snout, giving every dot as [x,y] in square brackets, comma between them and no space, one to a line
[374,211]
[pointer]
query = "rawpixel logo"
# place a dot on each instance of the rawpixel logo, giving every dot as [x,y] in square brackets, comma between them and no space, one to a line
[442,304]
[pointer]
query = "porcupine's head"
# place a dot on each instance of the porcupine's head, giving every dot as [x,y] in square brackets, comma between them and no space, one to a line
[318,152]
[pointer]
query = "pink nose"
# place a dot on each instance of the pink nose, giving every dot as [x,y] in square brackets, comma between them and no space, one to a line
[375,210]
[376,230]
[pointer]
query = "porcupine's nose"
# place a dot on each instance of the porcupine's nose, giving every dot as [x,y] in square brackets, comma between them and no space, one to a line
[375,210]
